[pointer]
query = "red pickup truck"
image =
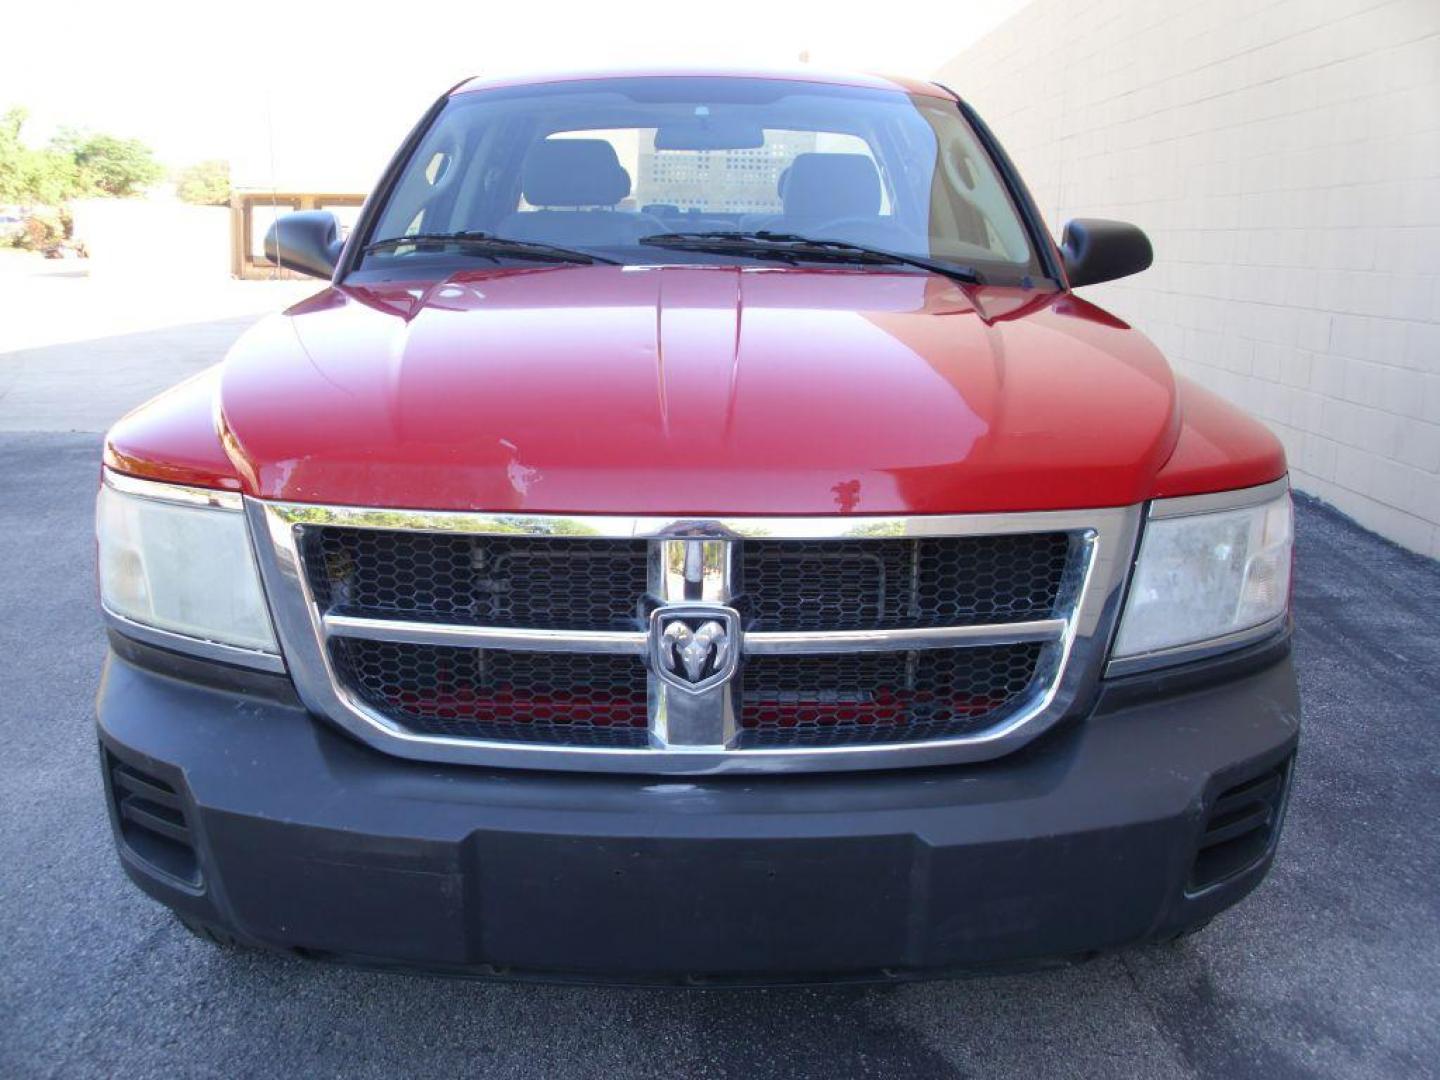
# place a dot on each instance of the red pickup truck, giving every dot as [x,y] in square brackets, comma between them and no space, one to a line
[698,535]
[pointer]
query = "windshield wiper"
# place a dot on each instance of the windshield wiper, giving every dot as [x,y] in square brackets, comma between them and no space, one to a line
[793,247]
[490,246]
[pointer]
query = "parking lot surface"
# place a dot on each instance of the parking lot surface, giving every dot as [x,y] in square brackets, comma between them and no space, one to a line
[1332,968]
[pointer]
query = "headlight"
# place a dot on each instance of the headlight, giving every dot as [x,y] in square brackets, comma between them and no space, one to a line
[176,568]
[1213,571]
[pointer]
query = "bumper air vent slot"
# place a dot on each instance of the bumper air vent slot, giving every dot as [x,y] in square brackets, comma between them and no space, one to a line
[1241,827]
[152,822]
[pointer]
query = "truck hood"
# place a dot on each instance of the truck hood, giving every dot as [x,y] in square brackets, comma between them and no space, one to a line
[697,391]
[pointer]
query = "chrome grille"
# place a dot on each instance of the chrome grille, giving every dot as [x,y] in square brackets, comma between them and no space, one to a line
[879,697]
[499,694]
[486,580]
[889,584]
[532,641]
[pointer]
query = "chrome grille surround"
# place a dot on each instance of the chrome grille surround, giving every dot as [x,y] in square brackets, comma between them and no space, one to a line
[692,563]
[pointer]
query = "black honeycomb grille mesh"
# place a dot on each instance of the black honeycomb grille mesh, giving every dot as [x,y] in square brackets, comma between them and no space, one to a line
[535,697]
[580,699]
[536,582]
[879,697]
[800,585]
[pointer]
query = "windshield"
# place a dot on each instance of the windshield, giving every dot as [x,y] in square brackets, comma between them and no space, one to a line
[604,166]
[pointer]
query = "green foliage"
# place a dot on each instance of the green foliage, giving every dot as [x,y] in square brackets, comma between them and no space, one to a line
[110,165]
[48,176]
[205,184]
[74,164]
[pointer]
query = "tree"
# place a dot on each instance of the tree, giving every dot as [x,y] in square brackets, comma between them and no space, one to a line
[108,164]
[47,177]
[206,184]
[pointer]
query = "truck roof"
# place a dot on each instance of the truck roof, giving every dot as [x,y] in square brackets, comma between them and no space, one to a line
[794,74]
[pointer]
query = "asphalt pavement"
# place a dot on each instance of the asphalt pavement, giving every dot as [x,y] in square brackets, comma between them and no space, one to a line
[1332,968]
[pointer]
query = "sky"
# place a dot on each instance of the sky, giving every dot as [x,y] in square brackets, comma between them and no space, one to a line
[313,96]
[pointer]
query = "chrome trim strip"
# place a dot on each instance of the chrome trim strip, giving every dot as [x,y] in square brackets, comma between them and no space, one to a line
[1238,499]
[1199,650]
[693,573]
[635,642]
[622,527]
[193,646]
[173,493]
[1070,670]
[631,642]
[683,722]
[941,637]
[698,571]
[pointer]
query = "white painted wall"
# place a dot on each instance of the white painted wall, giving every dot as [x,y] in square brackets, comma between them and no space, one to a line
[1284,157]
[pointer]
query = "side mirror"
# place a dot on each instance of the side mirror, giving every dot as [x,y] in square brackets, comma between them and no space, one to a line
[308,241]
[1098,250]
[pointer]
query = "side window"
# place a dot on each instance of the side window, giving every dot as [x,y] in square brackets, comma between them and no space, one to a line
[438,165]
[426,192]
[968,200]
[981,192]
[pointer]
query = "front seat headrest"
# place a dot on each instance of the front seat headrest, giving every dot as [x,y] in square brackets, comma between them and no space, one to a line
[574,172]
[827,187]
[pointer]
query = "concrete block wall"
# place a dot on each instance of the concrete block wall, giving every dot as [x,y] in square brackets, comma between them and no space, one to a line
[1284,156]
